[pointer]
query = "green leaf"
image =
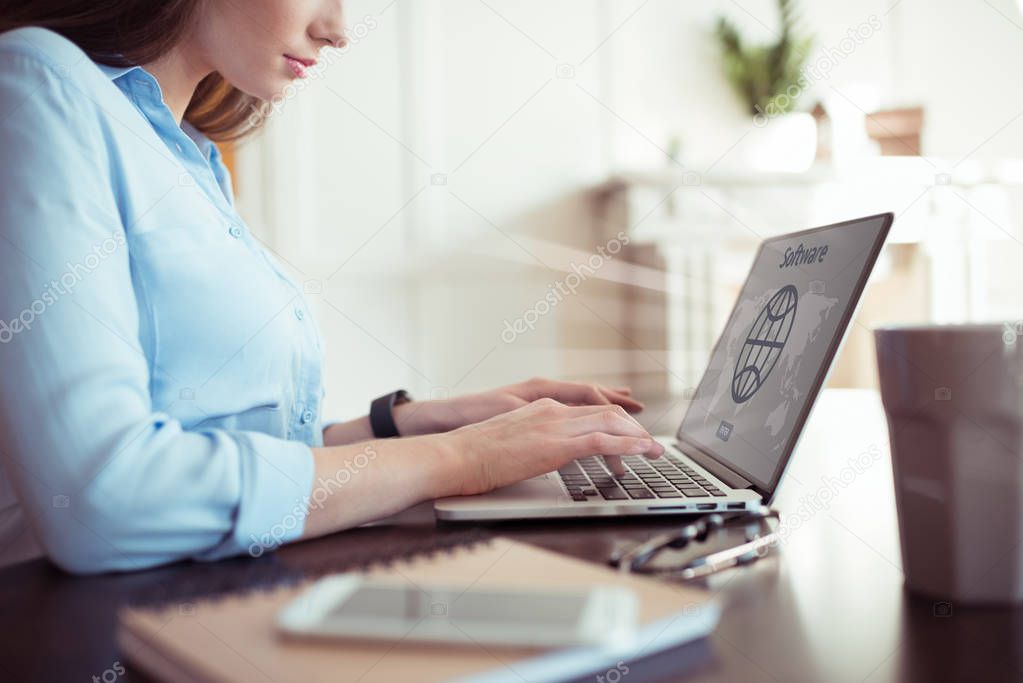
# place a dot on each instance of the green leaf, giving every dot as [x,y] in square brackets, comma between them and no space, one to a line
[762,75]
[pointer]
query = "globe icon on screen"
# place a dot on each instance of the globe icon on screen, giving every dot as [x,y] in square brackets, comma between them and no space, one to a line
[764,342]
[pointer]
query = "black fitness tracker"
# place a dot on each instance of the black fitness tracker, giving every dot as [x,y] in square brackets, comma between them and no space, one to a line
[381,417]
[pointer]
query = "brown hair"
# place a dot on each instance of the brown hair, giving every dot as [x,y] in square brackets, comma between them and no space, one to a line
[130,32]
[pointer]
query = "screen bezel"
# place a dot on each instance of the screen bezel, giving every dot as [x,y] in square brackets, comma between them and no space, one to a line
[767,489]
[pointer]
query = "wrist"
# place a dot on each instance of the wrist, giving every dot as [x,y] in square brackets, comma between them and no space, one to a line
[451,464]
[424,417]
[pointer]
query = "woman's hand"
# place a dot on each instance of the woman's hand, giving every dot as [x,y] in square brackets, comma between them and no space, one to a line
[539,437]
[365,481]
[424,417]
[418,418]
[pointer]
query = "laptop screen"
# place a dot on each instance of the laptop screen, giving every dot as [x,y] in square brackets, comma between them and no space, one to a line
[778,344]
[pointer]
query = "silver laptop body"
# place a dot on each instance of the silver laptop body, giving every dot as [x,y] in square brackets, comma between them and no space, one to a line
[748,412]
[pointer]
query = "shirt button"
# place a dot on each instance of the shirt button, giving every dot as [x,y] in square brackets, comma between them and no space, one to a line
[307,417]
[235,231]
[299,313]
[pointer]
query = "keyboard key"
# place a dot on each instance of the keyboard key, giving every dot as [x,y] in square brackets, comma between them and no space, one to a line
[667,477]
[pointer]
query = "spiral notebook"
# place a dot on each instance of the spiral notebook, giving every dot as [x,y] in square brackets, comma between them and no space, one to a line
[234,638]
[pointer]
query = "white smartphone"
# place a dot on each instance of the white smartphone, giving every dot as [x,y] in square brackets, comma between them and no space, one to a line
[352,606]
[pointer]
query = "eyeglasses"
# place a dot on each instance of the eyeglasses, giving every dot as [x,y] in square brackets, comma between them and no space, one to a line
[761,527]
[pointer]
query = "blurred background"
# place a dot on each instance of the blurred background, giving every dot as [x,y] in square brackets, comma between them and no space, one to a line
[475,192]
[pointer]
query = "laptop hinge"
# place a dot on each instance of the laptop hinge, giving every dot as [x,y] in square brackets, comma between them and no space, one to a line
[714,467]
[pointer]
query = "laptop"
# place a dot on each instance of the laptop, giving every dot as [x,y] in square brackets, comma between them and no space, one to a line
[748,411]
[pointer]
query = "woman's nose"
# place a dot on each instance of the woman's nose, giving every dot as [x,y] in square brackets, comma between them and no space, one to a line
[330,28]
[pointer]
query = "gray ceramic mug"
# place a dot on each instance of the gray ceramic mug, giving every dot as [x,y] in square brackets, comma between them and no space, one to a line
[954,399]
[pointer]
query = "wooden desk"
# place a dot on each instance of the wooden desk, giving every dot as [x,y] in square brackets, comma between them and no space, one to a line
[829,607]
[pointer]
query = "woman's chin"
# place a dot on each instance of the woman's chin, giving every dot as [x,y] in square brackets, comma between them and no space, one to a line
[269,89]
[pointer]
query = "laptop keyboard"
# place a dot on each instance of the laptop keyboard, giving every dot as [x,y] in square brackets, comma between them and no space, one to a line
[665,477]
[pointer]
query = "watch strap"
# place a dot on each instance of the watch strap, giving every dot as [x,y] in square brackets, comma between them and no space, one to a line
[381,413]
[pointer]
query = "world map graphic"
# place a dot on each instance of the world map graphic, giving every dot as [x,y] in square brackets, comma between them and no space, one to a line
[764,343]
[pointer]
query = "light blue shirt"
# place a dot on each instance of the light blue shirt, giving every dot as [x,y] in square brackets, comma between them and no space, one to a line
[160,374]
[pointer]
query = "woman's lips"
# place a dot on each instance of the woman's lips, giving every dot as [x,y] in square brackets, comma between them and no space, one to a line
[298,66]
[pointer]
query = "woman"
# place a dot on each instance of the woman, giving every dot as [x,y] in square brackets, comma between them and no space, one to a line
[160,393]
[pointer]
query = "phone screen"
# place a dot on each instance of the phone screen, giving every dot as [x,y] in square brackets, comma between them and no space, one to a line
[412,605]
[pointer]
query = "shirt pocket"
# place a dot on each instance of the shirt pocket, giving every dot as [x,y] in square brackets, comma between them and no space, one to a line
[214,306]
[186,232]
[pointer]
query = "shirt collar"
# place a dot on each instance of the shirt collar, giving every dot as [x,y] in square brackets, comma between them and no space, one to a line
[115,72]
[205,145]
[150,88]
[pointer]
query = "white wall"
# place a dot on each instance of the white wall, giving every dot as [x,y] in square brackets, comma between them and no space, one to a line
[424,162]
[467,93]
[961,59]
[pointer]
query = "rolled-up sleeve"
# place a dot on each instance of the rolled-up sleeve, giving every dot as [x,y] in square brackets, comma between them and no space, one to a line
[108,482]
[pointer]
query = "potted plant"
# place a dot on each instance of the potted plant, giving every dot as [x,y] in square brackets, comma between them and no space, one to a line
[769,79]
